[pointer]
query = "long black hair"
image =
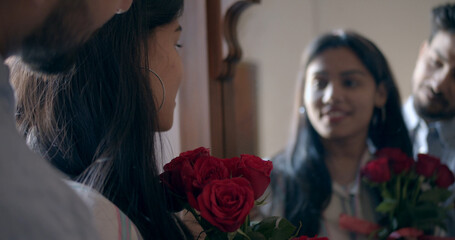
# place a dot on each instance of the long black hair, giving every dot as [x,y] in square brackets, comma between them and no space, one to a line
[301,168]
[97,123]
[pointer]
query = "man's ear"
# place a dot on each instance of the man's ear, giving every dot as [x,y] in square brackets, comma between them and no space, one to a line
[380,96]
[123,6]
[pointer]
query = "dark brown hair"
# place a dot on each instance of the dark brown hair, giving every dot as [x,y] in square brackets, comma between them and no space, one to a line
[443,19]
[97,123]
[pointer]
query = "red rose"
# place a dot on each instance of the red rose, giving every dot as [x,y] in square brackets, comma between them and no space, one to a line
[180,170]
[426,165]
[233,165]
[172,175]
[195,154]
[257,171]
[398,160]
[206,169]
[444,177]
[377,170]
[226,203]
[357,225]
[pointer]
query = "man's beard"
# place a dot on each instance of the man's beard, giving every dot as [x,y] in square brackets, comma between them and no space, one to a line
[53,47]
[428,113]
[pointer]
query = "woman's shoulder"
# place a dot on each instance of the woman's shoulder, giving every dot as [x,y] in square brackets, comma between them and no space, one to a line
[110,221]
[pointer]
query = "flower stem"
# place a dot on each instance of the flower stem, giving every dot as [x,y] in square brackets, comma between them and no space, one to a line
[405,189]
[417,190]
[246,224]
[398,189]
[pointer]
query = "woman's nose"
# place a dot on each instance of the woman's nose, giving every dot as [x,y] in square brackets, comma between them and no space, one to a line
[332,93]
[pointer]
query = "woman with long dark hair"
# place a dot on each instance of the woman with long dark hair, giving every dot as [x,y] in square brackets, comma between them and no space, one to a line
[347,106]
[97,123]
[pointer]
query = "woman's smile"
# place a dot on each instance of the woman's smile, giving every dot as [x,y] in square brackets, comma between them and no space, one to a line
[334,115]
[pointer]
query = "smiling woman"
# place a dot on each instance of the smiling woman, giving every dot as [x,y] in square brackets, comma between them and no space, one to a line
[347,106]
[273,36]
[341,94]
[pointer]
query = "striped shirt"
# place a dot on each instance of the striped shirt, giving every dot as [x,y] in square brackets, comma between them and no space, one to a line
[111,223]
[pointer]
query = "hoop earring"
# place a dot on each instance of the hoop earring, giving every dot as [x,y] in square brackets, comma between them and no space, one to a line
[162,86]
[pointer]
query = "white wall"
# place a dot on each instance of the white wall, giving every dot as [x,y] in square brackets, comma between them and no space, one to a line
[274,33]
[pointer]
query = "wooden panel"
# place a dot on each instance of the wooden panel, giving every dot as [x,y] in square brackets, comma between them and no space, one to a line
[222,29]
[240,112]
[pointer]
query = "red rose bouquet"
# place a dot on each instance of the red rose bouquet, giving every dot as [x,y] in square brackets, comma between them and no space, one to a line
[220,193]
[412,192]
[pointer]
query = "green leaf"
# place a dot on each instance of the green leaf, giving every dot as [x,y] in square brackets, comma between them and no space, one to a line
[435,195]
[404,214]
[275,228]
[383,233]
[241,233]
[428,224]
[426,210]
[255,236]
[384,192]
[428,215]
[231,235]
[387,205]
[250,235]
[218,235]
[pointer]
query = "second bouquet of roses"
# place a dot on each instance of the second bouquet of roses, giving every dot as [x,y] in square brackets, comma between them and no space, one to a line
[220,193]
[413,192]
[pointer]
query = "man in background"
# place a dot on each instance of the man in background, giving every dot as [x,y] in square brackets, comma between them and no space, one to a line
[430,112]
[34,201]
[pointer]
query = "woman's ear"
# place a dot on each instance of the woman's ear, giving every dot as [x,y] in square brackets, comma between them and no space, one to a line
[380,96]
[123,6]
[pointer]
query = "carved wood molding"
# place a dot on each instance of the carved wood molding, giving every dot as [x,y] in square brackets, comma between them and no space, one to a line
[222,28]
[230,36]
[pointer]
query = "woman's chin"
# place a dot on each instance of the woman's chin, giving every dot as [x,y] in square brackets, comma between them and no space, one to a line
[164,126]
